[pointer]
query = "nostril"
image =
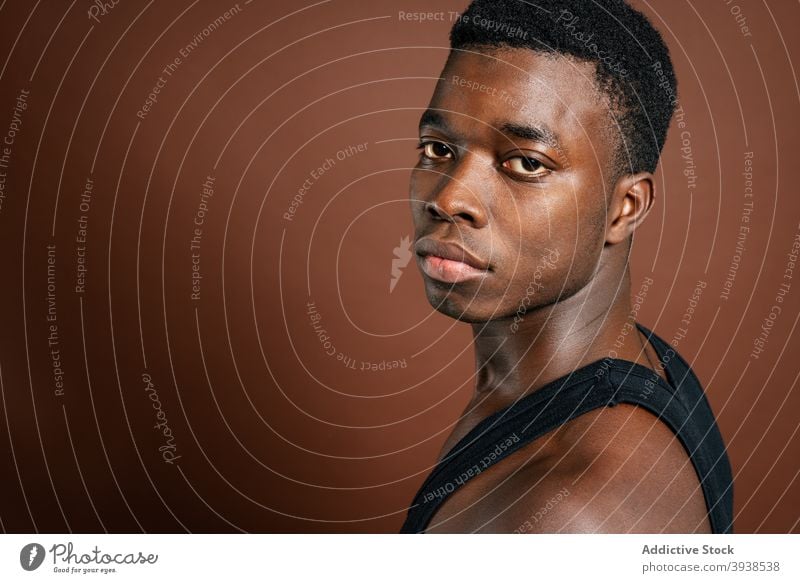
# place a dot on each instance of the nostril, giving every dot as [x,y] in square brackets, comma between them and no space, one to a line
[454,213]
[437,212]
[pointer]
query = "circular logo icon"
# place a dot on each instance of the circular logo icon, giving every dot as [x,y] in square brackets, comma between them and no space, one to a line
[31,556]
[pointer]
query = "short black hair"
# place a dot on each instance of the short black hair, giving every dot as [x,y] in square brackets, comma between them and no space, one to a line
[632,62]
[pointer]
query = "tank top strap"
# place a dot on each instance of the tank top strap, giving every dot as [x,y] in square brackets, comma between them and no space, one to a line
[681,406]
[692,419]
[505,432]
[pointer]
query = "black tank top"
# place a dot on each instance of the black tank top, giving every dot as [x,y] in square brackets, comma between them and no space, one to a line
[681,404]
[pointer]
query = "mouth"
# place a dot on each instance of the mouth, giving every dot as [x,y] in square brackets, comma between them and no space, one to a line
[448,262]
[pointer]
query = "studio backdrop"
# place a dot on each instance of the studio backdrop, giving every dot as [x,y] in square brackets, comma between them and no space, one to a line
[211,317]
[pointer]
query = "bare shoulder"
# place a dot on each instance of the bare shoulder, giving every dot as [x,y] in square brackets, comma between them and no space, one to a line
[615,469]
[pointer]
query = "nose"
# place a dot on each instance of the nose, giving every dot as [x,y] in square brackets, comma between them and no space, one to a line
[458,200]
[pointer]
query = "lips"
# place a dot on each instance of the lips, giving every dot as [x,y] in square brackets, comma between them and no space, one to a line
[448,262]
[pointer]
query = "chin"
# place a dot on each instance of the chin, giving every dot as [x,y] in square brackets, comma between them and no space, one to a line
[466,308]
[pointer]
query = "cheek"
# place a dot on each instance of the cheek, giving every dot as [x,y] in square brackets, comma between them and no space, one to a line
[549,220]
[424,182]
[418,188]
[575,217]
[580,242]
[556,244]
[414,184]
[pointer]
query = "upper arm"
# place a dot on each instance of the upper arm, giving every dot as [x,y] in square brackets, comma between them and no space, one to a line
[631,475]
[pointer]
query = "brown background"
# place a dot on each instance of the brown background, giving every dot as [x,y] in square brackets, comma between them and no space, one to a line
[274,434]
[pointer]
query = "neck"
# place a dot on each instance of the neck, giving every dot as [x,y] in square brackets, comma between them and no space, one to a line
[554,340]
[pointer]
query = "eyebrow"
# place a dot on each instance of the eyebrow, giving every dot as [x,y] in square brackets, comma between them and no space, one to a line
[432,118]
[530,132]
[533,133]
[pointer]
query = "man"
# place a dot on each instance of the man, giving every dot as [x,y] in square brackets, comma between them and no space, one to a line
[536,168]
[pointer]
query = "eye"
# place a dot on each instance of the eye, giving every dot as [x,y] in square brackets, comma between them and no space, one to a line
[435,150]
[524,166]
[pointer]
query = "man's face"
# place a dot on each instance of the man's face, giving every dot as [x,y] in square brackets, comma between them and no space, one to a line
[509,197]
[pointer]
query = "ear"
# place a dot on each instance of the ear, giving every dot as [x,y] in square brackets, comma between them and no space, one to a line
[630,204]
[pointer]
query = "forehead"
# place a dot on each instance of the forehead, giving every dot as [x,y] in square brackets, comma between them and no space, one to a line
[497,87]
